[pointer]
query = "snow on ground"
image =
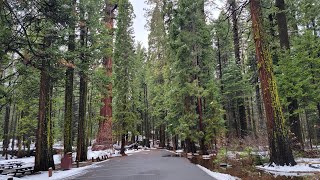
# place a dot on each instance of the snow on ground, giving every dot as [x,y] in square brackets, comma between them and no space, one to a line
[301,169]
[61,174]
[217,175]
[29,161]
[308,160]
[69,173]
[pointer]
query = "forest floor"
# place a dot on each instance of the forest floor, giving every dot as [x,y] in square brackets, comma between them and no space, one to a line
[244,166]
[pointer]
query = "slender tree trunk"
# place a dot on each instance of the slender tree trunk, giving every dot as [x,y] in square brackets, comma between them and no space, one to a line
[6,131]
[310,130]
[90,114]
[123,143]
[104,137]
[50,126]
[279,146]
[241,104]
[147,123]
[318,122]
[14,128]
[81,145]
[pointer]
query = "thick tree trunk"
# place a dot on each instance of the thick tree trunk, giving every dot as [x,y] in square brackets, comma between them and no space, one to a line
[42,162]
[282,25]
[68,103]
[279,146]
[104,136]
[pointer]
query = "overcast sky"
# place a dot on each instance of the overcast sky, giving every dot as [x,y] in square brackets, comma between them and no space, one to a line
[140,33]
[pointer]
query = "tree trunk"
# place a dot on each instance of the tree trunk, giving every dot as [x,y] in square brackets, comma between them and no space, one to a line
[282,25]
[14,128]
[162,136]
[81,142]
[123,143]
[104,137]
[147,123]
[240,102]
[50,126]
[294,120]
[42,162]
[317,134]
[68,103]
[6,131]
[279,146]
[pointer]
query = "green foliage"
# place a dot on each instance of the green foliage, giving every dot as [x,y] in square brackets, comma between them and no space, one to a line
[124,59]
[192,74]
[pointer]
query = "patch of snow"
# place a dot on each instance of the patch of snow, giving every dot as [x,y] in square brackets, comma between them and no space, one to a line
[61,174]
[179,151]
[297,170]
[217,175]
[5,177]
[308,160]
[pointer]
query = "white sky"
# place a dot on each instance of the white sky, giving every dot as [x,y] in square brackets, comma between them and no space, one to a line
[141,33]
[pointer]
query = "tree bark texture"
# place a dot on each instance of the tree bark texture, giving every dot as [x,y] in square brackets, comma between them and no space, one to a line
[81,140]
[68,109]
[104,136]
[279,145]
[42,159]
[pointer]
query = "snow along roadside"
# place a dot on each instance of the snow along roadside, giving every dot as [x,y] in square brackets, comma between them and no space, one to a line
[217,175]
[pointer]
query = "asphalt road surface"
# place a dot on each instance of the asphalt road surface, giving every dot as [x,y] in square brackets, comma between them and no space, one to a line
[146,165]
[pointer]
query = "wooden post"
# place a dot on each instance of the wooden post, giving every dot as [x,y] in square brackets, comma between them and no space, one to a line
[92,159]
[77,163]
[50,171]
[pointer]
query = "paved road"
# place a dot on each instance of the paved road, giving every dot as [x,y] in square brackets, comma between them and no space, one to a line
[146,165]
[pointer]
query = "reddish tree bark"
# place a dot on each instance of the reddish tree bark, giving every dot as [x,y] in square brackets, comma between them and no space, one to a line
[104,136]
[279,146]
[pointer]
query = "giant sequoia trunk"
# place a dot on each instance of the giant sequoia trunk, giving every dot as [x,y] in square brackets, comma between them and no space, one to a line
[104,137]
[294,120]
[68,113]
[279,146]
[43,159]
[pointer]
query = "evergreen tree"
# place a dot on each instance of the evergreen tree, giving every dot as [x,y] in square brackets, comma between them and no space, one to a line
[190,43]
[123,72]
